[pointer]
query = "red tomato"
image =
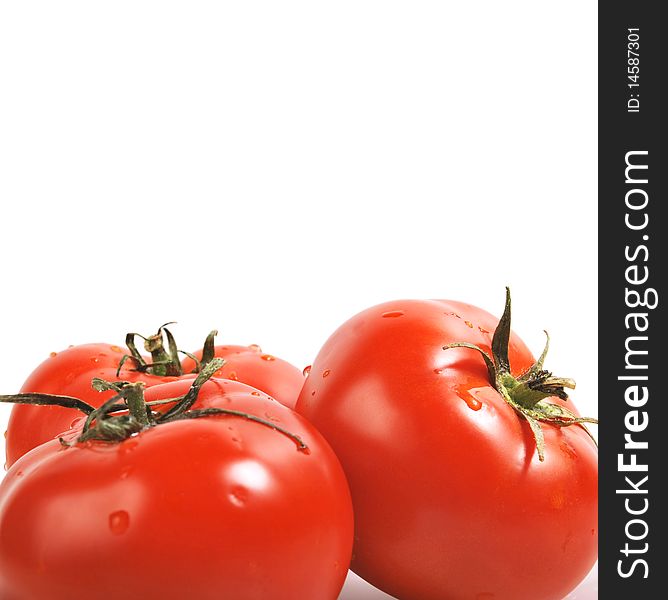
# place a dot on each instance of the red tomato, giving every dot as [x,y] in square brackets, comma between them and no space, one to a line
[207,508]
[451,498]
[69,373]
[280,379]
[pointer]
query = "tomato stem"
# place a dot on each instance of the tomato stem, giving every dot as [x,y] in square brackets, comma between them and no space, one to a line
[100,426]
[209,349]
[48,400]
[134,397]
[529,392]
[164,360]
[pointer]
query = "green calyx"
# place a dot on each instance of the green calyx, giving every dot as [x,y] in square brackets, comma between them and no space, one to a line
[165,360]
[528,393]
[127,412]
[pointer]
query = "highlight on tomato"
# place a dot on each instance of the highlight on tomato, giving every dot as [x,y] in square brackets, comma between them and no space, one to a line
[69,373]
[202,489]
[471,472]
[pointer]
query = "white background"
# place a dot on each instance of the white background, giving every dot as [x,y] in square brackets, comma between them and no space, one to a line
[272,168]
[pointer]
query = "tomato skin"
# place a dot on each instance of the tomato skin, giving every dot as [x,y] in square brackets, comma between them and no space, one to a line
[275,376]
[210,508]
[450,499]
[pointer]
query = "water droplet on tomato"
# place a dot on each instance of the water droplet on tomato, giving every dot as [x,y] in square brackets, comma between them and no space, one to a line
[306,370]
[255,348]
[94,359]
[119,522]
[473,403]
[53,354]
[255,393]
[469,324]
[326,372]
[465,394]
[438,371]
[268,357]
[313,393]
[393,314]
[238,496]
[482,330]
[233,376]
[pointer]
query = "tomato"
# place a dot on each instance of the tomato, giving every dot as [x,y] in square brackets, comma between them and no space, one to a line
[70,372]
[219,506]
[466,481]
